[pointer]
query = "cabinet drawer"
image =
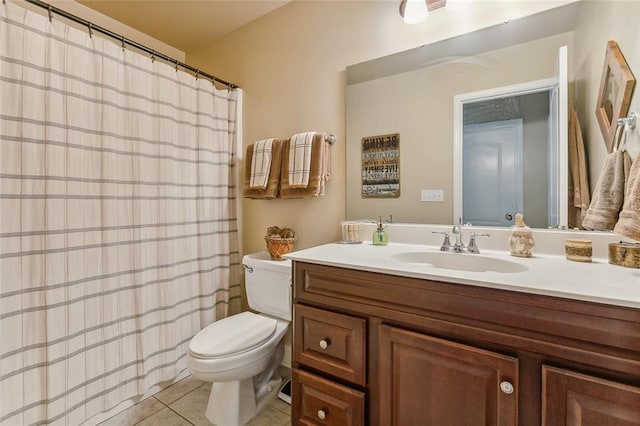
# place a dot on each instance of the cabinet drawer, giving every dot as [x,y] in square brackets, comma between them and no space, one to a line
[330,342]
[318,401]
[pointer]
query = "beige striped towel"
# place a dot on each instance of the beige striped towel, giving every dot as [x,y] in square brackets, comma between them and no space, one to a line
[260,164]
[300,159]
[319,171]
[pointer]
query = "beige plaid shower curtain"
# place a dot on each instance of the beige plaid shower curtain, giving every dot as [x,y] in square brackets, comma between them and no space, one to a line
[118,226]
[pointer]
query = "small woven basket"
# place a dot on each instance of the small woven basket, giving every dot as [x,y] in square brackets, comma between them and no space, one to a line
[277,246]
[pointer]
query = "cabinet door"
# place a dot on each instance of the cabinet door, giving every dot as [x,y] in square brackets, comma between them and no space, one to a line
[574,399]
[428,381]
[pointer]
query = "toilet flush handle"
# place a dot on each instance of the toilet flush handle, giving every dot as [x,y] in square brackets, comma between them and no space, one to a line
[249,269]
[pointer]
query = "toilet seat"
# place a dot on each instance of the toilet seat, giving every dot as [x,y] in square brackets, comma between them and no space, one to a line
[232,335]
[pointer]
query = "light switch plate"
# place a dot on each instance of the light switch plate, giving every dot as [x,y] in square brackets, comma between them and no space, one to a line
[432,195]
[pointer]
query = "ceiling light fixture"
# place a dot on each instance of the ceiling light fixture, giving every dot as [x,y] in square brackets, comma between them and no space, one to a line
[416,11]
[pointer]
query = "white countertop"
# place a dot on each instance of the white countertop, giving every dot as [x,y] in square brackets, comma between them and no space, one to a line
[550,275]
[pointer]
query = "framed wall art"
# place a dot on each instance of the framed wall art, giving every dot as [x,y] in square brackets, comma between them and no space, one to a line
[614,96]
[381,166]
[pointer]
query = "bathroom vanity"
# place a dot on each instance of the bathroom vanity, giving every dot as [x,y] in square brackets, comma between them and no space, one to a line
[381,339]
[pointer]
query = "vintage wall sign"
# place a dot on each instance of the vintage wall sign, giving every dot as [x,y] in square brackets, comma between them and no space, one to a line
[381,166]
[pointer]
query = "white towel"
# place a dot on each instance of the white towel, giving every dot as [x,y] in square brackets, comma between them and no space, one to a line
[261,164]
[300,159]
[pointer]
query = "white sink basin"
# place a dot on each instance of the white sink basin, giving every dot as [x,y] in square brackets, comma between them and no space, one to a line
[460,261]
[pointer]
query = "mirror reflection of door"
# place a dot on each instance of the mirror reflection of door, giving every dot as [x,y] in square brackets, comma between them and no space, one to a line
[492,173]
[505,159]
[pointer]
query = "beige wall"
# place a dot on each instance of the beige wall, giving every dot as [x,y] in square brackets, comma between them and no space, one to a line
[599,23]
[96,18]
[291,64]
[419,105]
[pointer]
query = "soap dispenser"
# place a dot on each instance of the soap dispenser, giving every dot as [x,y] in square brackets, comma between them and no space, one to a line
[521,239]
[380,237]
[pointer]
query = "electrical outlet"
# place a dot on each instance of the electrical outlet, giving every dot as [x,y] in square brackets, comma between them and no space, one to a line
[432,195]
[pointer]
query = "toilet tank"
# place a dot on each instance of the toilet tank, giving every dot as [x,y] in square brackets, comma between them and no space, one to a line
[268,284]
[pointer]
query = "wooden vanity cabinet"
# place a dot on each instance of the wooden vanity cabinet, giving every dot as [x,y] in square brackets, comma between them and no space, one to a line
[377,349]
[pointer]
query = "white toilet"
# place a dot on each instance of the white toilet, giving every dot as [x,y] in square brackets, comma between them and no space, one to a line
[241,354]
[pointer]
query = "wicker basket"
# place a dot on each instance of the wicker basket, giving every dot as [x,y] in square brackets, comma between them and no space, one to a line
[277,246]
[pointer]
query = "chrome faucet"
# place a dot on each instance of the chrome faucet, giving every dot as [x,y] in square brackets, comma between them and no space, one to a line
[458,246]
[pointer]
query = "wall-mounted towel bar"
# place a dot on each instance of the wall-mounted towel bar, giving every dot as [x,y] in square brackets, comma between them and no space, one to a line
[629,121]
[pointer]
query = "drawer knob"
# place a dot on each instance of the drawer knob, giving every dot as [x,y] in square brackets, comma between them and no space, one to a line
[322,414]
[324,343]
[506,387]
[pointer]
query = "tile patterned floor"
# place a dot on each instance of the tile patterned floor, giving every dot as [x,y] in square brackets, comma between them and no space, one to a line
[183,404]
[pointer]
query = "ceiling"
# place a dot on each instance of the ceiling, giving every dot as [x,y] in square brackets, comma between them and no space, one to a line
[185,24]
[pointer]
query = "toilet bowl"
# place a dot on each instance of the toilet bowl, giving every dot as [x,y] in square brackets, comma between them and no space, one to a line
[241,354]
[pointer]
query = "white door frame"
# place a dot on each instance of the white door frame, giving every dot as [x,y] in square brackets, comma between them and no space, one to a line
[493,93]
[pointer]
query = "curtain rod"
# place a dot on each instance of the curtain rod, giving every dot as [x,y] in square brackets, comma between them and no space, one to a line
[124,40]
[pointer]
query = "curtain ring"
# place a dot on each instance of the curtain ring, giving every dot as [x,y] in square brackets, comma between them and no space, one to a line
[50,12]
[90,30]
[153,56]
[123,46]
[197,74]
[176,65]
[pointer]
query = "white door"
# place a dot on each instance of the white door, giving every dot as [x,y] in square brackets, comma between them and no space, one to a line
[492,172]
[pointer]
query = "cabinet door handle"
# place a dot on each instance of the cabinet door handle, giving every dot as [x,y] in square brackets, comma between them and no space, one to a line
[506,387]
[322,414]
[324,343]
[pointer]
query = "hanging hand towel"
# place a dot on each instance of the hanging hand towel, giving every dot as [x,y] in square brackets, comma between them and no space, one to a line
[319,170]
[608,194]
[629,221]
[300,159]
[579,197]
[273,183]
[261,164]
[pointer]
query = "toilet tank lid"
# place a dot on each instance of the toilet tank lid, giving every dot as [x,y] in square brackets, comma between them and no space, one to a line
[235,334]
[262,260]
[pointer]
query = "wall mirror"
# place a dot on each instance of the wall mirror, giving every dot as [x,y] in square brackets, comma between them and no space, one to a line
[412,93]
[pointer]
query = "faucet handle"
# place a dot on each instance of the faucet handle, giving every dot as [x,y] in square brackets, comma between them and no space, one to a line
[446,244]
[473,247]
